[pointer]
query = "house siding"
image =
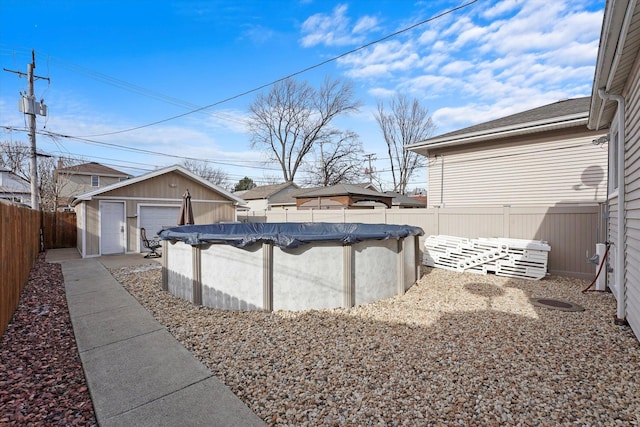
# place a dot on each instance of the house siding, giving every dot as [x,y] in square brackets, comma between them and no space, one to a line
[553,168]
[71,185]
[632,202]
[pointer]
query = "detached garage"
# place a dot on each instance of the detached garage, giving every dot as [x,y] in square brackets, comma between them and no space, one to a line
[109,219]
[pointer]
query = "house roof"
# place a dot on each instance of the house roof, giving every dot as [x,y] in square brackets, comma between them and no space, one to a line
[289,197]
[561,114]
[616,58]
[10,182]
[340,190]
[175,168]
[92,168]
[402,200]
[265,191]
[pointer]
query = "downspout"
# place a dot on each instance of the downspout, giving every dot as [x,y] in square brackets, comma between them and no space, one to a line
[620,256]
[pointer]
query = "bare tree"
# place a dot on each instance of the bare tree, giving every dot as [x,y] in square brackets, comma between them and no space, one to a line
[204,170]
[15,155]
[337,160]
[293,116]
[407,123]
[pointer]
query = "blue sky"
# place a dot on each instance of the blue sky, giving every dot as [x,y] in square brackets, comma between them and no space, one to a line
[116,65]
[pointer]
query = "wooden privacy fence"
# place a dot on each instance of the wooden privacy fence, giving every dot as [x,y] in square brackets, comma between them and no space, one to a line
[570,230]
[59,229]
[19,247]
[20,243]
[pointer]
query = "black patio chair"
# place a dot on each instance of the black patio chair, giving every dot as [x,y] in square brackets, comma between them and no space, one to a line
[153,245]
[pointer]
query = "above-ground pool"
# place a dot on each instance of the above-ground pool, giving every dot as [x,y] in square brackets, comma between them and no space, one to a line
[289,266]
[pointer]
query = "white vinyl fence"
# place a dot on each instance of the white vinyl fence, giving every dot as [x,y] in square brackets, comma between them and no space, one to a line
[570,230]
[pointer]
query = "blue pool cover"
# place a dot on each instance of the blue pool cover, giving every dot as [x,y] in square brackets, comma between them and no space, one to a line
[286,235]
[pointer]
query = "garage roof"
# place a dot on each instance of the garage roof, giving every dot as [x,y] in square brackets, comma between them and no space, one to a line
[175,168]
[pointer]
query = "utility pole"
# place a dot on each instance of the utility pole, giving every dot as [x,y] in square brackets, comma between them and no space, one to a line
[30,107]
[369,170]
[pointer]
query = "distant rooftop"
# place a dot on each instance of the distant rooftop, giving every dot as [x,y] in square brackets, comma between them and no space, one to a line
[93,168]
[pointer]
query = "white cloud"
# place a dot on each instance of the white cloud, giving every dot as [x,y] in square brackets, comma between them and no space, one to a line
[231,120]
[382,60]
[258,34]
[456,67]
[380,92]
[365,24]
[334,29]
[501,8]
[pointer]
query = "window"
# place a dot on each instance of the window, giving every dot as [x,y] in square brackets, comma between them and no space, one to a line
[95,181]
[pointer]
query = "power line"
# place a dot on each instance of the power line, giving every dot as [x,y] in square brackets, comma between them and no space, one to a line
[239,163]
[304,70]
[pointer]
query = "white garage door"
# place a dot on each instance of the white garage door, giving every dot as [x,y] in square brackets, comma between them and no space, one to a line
[155,218]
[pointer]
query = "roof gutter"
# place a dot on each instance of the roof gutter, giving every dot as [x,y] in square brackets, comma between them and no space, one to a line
[504,132]
[618,48]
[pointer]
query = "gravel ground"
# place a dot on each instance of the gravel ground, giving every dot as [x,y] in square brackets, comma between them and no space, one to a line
[456,349]
[41,376]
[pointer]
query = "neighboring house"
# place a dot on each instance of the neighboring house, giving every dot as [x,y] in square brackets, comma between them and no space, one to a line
[261,198]
[615,107]
[339,196]
[401,201]
[342,196]
[14,188]
[82,178]
[543,157]
[109,218]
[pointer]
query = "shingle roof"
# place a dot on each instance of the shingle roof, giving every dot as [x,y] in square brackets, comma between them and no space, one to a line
[341,189]
[402,200]
[265,191]
[562,114]
[565,107]
[93,168]
[288,197]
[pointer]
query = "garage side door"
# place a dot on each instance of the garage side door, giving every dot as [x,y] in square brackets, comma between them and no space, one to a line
[112,235]
[155,218]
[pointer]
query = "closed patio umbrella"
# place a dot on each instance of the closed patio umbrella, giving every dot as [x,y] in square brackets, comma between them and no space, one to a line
[186,212]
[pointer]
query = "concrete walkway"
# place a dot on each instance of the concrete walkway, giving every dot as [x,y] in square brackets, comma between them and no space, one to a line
[138,374]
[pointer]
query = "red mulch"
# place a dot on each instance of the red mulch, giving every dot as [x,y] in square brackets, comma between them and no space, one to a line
[41,376]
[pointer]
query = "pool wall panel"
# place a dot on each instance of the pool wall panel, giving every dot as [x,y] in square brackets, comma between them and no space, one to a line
[375,270]
[180,272]
[308,277]
[228,273]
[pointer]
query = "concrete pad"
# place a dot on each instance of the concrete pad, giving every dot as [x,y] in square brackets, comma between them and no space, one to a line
[84,286]
[128,260]
[127,374]
[206,403]
[58,255]
[108,327]
[95,302]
